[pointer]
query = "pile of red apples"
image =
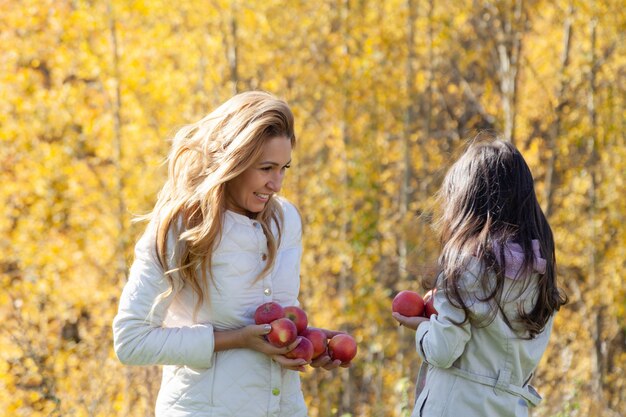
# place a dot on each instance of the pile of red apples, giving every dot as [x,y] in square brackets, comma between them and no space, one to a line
[290,322]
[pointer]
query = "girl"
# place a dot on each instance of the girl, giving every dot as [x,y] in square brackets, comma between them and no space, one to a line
[496,291]
[220,242]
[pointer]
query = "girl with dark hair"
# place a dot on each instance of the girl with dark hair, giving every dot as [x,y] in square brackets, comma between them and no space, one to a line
[496,293]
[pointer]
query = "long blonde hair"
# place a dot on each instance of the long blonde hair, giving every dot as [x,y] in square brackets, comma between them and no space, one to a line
[204,156]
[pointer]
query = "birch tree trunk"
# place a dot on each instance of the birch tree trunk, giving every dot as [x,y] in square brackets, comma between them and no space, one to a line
[116,108]
[599,353]
[555,129]
[508,49]
[408,132]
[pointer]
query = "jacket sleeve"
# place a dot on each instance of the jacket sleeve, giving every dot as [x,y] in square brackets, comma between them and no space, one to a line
[440,341]
[139,337]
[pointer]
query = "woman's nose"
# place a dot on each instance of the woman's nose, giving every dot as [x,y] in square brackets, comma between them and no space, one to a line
[275,183]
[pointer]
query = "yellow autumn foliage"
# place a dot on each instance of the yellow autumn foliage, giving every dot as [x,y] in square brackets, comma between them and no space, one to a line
[92,92]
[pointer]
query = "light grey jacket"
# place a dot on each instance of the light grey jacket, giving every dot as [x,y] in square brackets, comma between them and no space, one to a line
[197,381]
[477,371]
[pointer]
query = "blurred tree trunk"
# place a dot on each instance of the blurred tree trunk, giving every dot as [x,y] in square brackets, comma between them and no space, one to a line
[555,128]
[409,130]
[598,365]
[512,22]
[232,47]
[345,216]
[116,109]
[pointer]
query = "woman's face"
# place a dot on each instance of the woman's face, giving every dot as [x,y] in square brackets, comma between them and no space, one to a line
[249,192]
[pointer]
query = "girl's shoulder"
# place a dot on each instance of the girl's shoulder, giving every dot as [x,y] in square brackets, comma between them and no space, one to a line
[471,282]
[473,274]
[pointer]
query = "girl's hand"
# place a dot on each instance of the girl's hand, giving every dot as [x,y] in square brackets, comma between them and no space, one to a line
[410,322]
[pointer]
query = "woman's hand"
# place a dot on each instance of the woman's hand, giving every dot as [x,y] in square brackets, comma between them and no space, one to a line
[324,361]
[293,364]
[410,322]
[252,337]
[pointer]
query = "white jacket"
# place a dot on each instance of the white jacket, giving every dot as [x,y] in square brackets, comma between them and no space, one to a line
[475,371]
[196,380]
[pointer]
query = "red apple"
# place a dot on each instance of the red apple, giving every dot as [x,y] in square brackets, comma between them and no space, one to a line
[298,316]
[304,350]
[342,347]
[429,303]
[283,332]
[408,303]
[268,312]
[318,340]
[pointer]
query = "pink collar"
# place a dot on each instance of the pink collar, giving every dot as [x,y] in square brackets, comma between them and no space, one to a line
[514,258]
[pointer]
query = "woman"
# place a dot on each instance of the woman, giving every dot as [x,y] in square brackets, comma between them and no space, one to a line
[220,242]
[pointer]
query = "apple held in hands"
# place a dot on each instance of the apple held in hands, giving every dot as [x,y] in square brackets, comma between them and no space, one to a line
[283,332]
[342,347]
[268,312]
[408,303]
[318,340]
[304,350]
[429,303]
[298,316]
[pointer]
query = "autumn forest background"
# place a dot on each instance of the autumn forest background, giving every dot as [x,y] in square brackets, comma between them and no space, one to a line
[385,93]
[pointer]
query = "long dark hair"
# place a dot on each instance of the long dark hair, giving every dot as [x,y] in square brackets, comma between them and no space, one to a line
[488,201]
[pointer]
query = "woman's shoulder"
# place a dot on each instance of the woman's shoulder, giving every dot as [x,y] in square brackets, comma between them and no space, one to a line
[290,212]
[292,221]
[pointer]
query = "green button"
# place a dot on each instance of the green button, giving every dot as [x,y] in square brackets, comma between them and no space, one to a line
[276,391]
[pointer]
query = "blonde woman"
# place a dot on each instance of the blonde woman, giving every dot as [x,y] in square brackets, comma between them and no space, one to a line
[219,243]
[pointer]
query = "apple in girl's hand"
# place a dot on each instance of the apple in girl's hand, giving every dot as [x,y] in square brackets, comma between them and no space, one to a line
[342,347]
[283,332]
[429,303]
[318,340]
[268,312]
[408,303]
[298,316]
[304,350]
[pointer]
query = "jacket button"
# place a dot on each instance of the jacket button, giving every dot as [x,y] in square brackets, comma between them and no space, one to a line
[267,291]
[264,257]
[276,392]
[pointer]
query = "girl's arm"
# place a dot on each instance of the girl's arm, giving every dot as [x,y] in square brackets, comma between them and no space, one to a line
[440,341]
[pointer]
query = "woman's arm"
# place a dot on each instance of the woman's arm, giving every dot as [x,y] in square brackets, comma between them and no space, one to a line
[138,334]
